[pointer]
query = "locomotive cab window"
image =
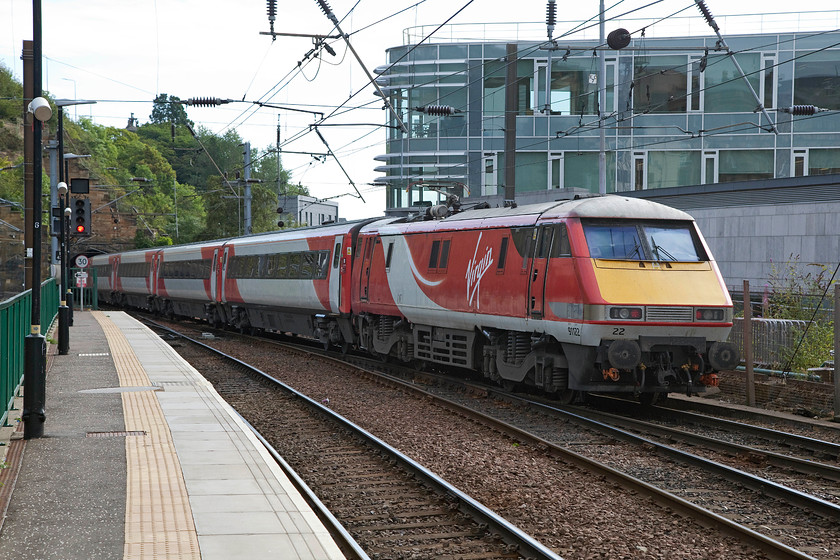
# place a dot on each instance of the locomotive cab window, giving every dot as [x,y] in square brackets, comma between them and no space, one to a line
[643,241]
[439,256]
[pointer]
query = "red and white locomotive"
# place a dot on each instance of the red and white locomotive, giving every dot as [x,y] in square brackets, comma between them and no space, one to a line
[608,294]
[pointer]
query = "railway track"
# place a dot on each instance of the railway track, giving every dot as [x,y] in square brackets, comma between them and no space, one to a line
[562,451]
[383,499]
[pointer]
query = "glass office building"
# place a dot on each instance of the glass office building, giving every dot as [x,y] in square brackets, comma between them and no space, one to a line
[678,113]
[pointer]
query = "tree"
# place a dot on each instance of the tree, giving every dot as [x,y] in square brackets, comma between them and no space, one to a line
[167,109]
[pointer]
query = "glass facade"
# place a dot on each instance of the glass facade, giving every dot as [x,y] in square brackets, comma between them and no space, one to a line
[677,113]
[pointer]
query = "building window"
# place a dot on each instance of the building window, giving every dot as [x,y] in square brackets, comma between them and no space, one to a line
[816,161]
[531,171]
[660,84]
[494,88]
[639,174]
[800,163]
[574,86]
[673,169]
[724,88]
[710,168]
[745,165]
[816,79]
[580,170]
[768,81]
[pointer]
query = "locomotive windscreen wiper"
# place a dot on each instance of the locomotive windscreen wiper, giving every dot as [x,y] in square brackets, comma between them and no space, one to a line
[634,251]
[659,251]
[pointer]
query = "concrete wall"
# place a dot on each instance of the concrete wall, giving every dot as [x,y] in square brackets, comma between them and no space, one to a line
[747,241]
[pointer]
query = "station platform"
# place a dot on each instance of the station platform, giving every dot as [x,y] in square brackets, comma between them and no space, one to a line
[141,458]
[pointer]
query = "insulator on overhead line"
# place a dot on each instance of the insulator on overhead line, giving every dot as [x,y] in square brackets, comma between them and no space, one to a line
[551,14]
[206,101]
[710,19]
[801,110]
[437,110]
[324,7]
[272,10]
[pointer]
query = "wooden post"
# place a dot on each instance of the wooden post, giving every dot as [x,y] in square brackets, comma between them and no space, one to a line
[748,353]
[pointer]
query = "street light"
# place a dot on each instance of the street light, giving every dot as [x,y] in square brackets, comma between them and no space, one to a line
[35,350]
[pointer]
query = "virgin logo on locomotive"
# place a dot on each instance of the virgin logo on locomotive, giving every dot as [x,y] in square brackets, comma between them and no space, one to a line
[475,272]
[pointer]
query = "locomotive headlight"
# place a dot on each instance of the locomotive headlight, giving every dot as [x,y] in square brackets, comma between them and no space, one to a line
[709,314]
[626,313]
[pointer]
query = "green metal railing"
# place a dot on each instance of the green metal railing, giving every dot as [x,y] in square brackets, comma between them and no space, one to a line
[15,316]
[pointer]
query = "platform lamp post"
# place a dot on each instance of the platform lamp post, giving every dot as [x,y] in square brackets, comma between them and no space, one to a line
[63,310]
[35,349]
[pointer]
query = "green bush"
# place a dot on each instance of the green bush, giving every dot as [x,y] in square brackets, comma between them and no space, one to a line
[801,292]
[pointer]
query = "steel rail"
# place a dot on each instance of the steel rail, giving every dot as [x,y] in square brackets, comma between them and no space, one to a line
[829,472]
[812,444]
[526,545]
[763,486]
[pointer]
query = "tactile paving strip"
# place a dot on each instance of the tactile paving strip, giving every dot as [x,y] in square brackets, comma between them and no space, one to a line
[158,518]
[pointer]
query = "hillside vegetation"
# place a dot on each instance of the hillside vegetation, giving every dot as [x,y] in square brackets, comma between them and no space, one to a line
[179,167]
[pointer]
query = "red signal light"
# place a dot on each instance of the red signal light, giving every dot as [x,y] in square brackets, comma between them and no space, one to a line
[80,228]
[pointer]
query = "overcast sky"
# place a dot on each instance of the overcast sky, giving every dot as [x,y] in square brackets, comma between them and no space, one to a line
[123,53]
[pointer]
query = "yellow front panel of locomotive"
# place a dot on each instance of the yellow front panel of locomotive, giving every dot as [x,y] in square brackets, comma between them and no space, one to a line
[658,283]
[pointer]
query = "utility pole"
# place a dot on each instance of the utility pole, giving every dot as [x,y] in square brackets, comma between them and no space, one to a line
[602,104]
[511,106]
[247,176]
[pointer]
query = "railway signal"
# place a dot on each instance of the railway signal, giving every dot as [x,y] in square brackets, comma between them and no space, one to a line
[81,216]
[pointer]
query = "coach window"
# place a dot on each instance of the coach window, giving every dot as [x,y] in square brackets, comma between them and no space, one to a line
[336,255]
[294,265]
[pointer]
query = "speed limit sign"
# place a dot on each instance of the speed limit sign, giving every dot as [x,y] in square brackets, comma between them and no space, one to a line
[82,261]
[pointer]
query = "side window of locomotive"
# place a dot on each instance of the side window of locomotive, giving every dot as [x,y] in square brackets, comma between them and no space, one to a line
[444,254]
[544,242]
[439,256]
[336,255]
[433,256]
[389,255]
[522,238]
[561,246]
[500,266]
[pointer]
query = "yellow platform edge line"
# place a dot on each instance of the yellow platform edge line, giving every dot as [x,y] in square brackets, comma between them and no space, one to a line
[158,517]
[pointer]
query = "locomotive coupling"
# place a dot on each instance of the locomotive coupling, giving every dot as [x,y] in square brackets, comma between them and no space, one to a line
[624,354]
[723,355]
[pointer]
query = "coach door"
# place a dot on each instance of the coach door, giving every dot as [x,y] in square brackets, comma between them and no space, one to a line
[115,273]
[223,275]
[153,273]
[214,278]
[364,281]
[335,275]
[539,266]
